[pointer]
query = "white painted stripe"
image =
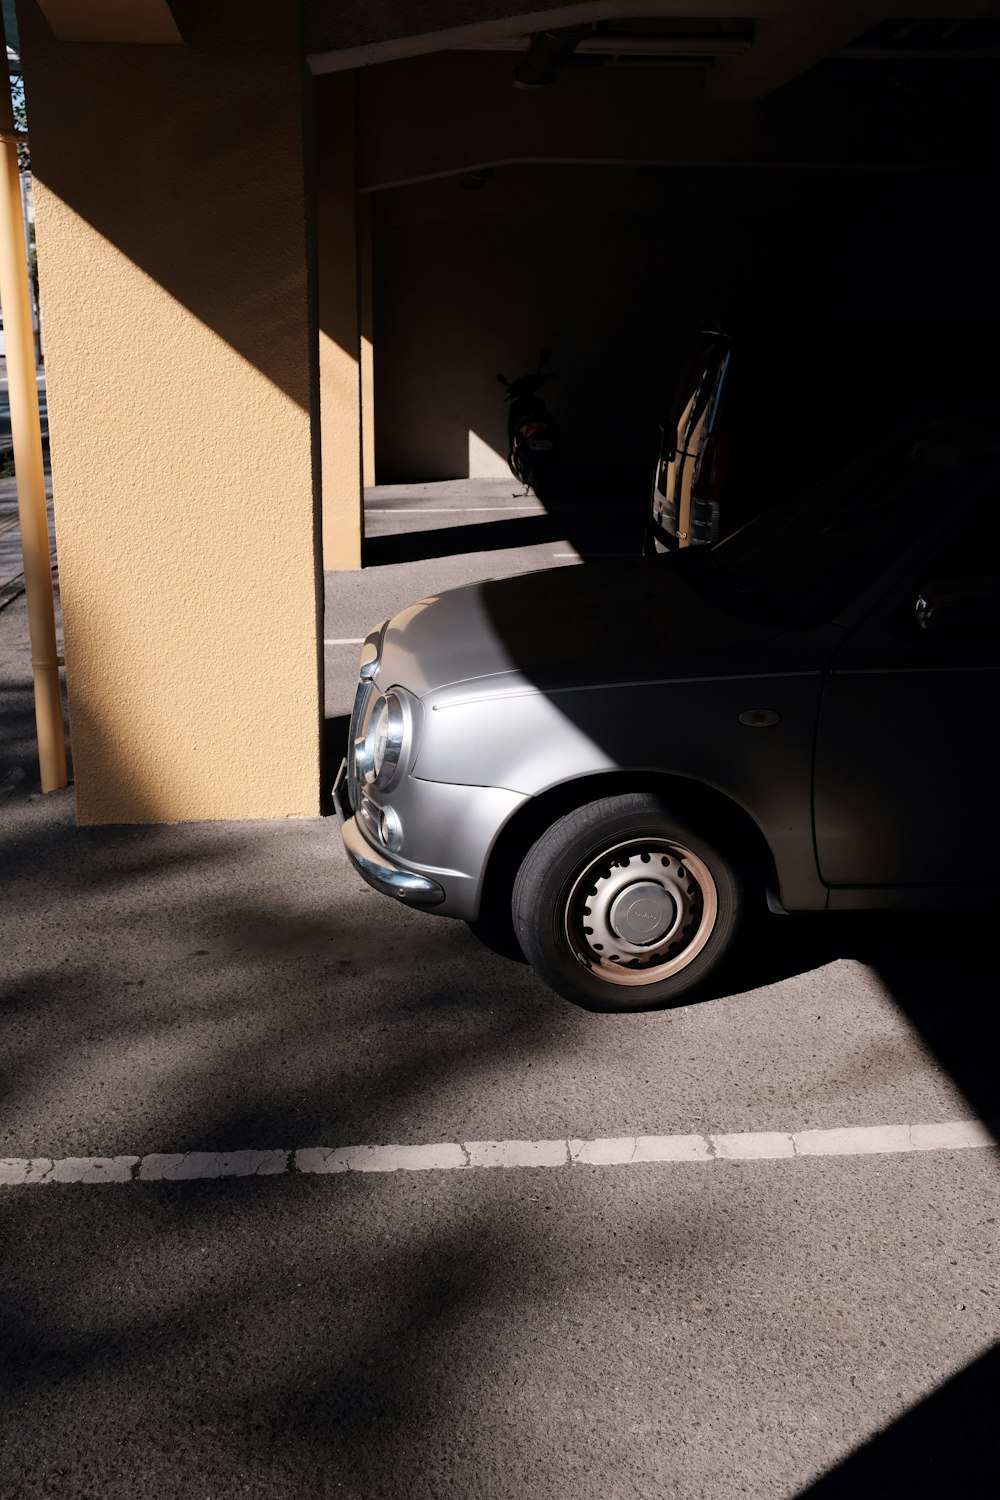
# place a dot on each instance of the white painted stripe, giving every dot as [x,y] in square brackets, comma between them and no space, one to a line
[441,1158]
[621,1150]
[518,1153]
[448,1156]
[345,640]
[863,1140]
[42,1169]
[759,1145]
[955,1136]
[447,510]
[184,1166]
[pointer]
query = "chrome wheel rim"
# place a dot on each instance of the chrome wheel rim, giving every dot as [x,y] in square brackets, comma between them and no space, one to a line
[641,911]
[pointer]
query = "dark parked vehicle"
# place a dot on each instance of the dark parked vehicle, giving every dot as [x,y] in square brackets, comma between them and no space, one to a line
[622,755]
[759,410]
[691,465]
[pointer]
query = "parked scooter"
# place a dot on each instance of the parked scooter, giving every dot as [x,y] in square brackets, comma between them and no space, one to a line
[532,438]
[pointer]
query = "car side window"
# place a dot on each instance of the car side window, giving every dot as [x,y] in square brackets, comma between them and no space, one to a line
[957,596]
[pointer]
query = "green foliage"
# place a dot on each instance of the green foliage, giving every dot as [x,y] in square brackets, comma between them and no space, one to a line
[20,120]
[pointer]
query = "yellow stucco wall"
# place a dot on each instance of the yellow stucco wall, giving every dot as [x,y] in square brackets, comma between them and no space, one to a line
[172,232]
[340,370]
[366,312]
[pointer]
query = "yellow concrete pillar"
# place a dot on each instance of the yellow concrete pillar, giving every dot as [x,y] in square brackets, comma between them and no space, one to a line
[365,282]
[339,323]
[171,200]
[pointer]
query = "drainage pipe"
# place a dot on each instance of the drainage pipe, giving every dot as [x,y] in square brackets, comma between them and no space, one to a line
[26,433]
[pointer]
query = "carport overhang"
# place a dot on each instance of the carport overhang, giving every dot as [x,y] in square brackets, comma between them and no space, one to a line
[788,36]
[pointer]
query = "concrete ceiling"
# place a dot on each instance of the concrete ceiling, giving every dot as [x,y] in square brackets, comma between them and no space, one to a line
[746,49]
[766,44]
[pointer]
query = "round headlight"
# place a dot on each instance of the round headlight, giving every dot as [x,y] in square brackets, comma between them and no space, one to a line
[380,735]
[385,738]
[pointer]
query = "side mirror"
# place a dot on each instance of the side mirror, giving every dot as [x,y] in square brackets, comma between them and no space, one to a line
[959,607]
[503,380]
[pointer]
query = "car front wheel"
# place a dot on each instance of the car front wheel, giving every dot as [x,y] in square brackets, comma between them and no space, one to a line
[621,906]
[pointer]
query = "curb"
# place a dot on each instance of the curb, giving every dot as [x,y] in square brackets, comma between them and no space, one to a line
[11,591]
[14,587]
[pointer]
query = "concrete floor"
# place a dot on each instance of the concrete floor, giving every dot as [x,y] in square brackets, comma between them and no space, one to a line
[817,1326]
[423,538]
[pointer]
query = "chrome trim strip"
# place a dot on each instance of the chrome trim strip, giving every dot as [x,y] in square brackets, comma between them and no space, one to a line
[337,792]
[371,652]
[373,866]
[362,700]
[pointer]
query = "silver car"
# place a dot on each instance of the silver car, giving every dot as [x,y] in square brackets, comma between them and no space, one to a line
[612,759]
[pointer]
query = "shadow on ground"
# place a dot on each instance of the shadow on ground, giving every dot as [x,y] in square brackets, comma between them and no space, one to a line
[304,1338]
[942,1447]
[590,523]
[186,987]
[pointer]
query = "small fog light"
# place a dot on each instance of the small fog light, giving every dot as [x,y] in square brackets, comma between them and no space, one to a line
[390,829]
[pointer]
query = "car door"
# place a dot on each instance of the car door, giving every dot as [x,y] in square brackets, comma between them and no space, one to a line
[907,789]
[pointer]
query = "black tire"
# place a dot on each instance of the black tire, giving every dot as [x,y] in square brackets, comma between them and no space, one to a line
[621,905]
[545,475]
[519,462]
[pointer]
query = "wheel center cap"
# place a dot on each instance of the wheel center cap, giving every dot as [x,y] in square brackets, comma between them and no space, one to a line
[642,913]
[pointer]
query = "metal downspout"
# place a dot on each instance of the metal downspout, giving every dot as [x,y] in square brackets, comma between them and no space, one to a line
[26,433]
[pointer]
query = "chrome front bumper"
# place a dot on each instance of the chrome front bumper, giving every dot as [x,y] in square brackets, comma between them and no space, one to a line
[374,866]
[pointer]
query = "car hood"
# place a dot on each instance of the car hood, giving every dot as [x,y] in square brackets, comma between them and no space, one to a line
[566,627]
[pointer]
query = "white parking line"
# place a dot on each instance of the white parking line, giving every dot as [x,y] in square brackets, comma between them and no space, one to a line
[602,1151]
[346,640]
[447,510]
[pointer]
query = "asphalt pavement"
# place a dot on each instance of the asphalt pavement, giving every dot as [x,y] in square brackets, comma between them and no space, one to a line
[422,538]
[801,1325]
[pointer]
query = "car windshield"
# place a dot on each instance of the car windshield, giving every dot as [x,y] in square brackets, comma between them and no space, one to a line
[805,558]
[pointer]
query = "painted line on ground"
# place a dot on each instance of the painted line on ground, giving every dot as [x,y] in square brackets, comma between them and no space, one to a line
[602,1151]
[345,640]
[572,507]
[447,510]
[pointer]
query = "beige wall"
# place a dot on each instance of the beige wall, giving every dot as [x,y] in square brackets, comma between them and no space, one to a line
[172,233]
[450,112]
[828,273]
[339,322]
[366,309]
